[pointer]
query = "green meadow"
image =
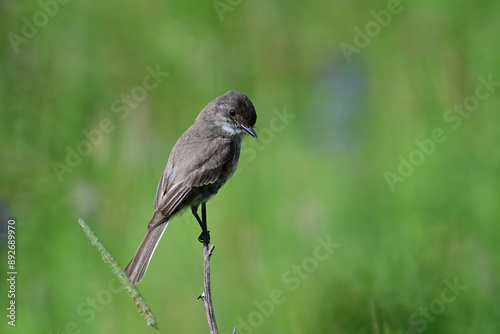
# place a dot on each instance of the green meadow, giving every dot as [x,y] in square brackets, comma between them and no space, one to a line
[368,204]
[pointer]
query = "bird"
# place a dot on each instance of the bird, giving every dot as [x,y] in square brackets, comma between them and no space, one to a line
[202,160]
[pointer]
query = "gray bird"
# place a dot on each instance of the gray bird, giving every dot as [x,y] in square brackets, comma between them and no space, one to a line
[200,162]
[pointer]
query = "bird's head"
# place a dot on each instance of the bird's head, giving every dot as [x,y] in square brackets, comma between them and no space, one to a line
[233,113]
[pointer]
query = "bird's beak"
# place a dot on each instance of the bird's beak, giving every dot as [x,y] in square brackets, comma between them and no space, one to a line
[250,130]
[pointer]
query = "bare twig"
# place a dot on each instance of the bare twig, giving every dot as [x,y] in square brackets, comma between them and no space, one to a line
[120,274]
[207,294]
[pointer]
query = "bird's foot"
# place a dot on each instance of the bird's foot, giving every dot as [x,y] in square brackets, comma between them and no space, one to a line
[204,237]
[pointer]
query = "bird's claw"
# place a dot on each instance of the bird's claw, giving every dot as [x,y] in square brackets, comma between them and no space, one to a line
[204,237]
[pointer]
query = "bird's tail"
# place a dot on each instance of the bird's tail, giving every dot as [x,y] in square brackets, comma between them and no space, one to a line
[139,264]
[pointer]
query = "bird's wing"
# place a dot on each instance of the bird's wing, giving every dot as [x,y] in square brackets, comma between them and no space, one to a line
[210,165]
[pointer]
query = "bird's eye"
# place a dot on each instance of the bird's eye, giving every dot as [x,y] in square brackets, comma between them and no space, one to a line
[232,113]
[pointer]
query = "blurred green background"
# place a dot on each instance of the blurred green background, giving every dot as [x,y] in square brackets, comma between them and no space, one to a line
[332,124]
